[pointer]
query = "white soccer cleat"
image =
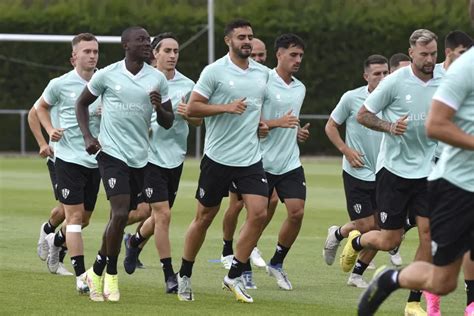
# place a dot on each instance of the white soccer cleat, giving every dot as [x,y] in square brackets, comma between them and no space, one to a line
[330,246]
[371,266]
[53,255]
[185,292]
[81,284]
[62,270]
[281,277]
[227,261]
[43,247]
[357,281]
[256,258]
[237,287]
[396,259]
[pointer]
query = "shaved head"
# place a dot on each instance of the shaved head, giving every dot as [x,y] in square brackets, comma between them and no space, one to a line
[259,51]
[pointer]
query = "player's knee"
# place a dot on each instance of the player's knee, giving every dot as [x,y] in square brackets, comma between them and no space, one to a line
[120,217]
[85,221]
[296,216]
[389,243]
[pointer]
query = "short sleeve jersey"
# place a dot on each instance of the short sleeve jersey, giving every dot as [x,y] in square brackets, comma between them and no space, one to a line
[358,137]
[127,110]
[168,146]
[402,93]
[280,148]
[53,113]
[456,165]
[61,94]
[232,139]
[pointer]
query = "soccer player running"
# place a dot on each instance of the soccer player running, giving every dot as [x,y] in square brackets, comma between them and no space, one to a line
[406,151]
[451,196]
[165,162]
[130,89]
[360,149]
[229,95]
[78,177]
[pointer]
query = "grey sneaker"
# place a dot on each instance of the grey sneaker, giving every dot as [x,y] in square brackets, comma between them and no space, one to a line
[247,278]
[185,292]
[53,255]
[280,276]
[357,281]
[42,247]
[330,246]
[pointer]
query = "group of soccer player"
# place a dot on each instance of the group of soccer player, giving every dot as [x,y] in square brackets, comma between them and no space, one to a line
[127,125]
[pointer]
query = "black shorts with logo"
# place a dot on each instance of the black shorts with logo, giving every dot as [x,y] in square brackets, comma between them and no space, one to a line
[289,185]
[77,184]
[399,198]
[118,178]
[451,221]
[161,184]
[215,180]
[360,197]
[52,176]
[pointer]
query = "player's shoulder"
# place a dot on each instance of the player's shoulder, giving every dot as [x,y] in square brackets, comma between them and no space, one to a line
[179,76]
[355,93]
[58,80]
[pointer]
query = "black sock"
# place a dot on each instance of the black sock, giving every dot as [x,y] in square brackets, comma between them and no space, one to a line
[186,268]
[389,280]
[338,234]
[356,243]
[360,267]
[62,254]
[279,255]
[59,238]
[49,228]
[78,264]
[167,267]
[415,296]
[235,269]
[99,264]
[469,291]
[247,267]
[112,265]
[136,239]
[227,250]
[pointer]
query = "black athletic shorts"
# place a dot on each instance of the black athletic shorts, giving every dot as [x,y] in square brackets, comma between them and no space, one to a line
[215,180]
[360,197]
[77,184]
[451,221]
[289,185]
[119,178]
[52,176]
[161,184]
[399,198]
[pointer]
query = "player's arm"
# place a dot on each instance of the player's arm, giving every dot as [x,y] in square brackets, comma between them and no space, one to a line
[353,156]
[44,117]
[35,127]
[199,106]
[370,120]
[286,121]
[82,113]
[182,110]
[440,126]
[303,133]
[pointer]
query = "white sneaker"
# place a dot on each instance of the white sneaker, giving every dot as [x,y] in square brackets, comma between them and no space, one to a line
[227,261]
[237,287]
[371,266]
[256,257]
[357,281]
[43,247]
[330,246]
[280,276]
[185,292]
[53,255]
[81,284]
[396,259]
[62,270]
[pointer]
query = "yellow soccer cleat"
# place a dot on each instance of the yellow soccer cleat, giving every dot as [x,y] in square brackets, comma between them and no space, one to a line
[96,286]
[237,287]
[349,254]
[414,309]
[111,290]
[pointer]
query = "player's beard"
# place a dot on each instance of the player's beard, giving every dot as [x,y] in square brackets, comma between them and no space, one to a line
[239,51]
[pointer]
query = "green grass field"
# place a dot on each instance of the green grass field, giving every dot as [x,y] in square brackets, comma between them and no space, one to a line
[28,288]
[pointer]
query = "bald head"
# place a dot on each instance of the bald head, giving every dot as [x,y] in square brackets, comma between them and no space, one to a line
[259,51]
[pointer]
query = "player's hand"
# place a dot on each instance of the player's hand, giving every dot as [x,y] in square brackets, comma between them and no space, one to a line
[289,120]
[182,108]
[92,145]
[155,99]
[237,106]
[263,129]
[46,151]
[354,157]
[56,134]
[303,133]
[399,127]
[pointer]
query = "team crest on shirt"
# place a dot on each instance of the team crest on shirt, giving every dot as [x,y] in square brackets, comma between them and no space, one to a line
[357,208]
[231,83]
[278,97]
[73,95]
[149,192]
[118,87]
[65,193]
[408,98]
[201,192]
[112,182]
[383,217]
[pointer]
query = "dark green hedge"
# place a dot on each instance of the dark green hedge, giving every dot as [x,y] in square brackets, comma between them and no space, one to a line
[340,34]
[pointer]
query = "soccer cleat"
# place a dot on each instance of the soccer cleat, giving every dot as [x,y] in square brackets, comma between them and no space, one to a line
[237,287]
[396,259]
[172,284]
[53,255]
[256,258]
[331,245]
[111,289]
[371,265]
[81,284]
[432,304]
[185,292]
[374,295]
[62,270]
[469,311]
[280,276]
[349,254]
[131,256]
[247,278]
[356,280]
[96,286]
[414,309]
[43,246]
[227,261]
